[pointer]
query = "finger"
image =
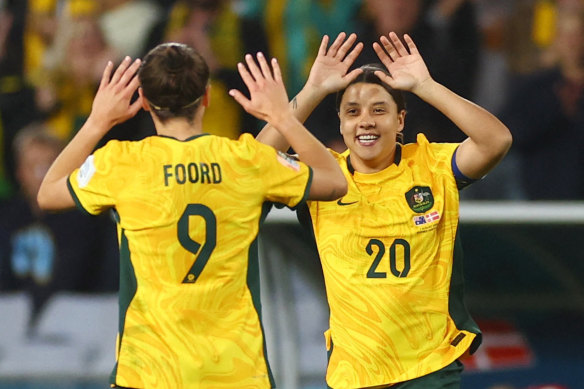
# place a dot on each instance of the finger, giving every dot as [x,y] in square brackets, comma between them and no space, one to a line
[382,55]
[347,45]
[129,73]
[245,76]
[411,45]
[264,66]
[135,107]
[349,77]
[277,71]
[323,45]
[384,77]
[350,59]
[107,73]
[397,43]
[240,98]
[253,67]
[336,44]
[120,70]
[388,47]
[132,86]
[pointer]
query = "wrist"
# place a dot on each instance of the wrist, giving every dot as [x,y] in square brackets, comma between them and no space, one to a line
[312,93]
[284,122]
[96,126]
[425,88]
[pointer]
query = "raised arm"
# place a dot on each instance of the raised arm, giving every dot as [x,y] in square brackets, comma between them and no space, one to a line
[268,101]
[488,138]
[327,75]
[111,105]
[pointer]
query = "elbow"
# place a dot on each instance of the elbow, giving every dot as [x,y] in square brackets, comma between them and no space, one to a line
[505,142]
[43,200]
[339,189]
[46,201]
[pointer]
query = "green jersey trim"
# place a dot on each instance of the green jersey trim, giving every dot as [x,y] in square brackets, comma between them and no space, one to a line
[128,288]
[75,198]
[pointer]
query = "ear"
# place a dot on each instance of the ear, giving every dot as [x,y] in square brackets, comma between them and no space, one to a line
[145,104]
[207,96]
[401,118]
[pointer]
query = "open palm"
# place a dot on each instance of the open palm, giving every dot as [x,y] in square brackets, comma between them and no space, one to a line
[329,71]
[406,65]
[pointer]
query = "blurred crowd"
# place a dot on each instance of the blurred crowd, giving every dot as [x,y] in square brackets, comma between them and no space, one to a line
[521,59]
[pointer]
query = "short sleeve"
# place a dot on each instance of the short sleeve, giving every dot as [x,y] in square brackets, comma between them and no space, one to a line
[285,180]
[95,185]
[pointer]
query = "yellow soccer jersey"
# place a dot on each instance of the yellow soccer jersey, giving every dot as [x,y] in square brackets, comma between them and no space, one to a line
[392,270]
[188,219]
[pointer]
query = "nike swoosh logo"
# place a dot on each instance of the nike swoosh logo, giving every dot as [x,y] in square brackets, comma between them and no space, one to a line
[340,202]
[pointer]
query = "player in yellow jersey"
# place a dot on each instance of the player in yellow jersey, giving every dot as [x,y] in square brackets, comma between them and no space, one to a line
[188,207]
[389,249]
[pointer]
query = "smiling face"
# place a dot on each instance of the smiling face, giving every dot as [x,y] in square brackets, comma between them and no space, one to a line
[370,122]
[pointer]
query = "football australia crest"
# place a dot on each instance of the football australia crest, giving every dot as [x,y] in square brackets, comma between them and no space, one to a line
[420,198]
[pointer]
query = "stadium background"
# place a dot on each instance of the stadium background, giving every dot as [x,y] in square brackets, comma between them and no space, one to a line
[523,265]
[524,261]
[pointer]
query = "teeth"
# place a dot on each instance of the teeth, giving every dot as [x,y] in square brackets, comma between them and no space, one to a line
[367,137]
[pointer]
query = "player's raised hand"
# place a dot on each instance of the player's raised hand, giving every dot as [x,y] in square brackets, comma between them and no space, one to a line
[406,65]
[113,101]
[329,70]
[268,98]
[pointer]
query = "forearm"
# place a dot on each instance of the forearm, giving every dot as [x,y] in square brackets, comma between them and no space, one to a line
[53,192]
[488,138]
[302,106]
[329,182]
[476,122]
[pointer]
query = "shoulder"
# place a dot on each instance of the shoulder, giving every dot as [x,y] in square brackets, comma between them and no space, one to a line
[424,148]
[119,148]
[246,147]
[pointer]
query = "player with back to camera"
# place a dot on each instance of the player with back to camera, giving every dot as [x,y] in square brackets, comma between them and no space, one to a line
[390,249]
[188,207]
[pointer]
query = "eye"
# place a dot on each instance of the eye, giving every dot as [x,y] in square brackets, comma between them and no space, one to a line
[351,111]
[379,110]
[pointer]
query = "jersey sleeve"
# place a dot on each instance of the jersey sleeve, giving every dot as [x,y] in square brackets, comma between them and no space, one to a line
[96,183]
[442,158]
[285,180]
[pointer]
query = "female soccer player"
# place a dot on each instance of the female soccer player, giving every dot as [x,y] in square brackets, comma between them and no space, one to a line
[389,249]
[188,207]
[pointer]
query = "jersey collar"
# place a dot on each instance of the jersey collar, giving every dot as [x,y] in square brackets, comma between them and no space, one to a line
[396,159]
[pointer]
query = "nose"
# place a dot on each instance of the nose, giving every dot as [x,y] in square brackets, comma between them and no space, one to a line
[366,121]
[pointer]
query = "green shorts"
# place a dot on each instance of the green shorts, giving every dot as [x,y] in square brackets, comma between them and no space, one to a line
[446,378]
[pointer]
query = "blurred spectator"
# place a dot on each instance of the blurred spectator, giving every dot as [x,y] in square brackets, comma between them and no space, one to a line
[447,35]
[71,72]
[43,253]
[17,106]
[222,36]
[42,24]
[127,24]
[496,20]
[546,115]
[294,30]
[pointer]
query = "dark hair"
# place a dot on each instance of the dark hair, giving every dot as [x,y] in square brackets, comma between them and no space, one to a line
[368,76]
[173,78]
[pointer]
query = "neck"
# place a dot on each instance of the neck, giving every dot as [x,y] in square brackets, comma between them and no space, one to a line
[371,166]
[179,128]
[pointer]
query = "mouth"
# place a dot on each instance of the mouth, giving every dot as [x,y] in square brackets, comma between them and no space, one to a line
[367,139]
